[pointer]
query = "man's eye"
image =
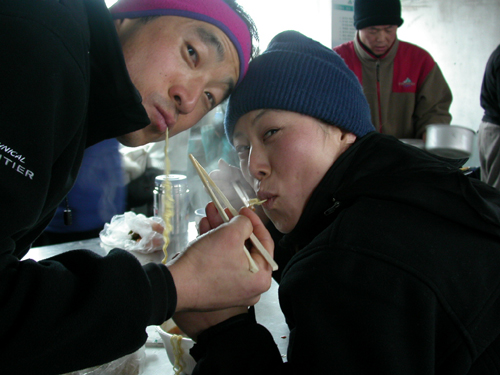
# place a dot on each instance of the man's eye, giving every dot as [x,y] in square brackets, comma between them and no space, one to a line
[192,53]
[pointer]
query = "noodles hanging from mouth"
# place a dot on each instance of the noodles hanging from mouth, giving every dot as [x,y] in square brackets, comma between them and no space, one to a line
[168,204]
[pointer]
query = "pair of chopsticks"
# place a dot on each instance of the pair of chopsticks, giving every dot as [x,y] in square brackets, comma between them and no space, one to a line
[211,186]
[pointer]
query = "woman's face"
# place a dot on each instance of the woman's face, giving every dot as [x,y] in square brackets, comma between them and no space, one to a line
[284,155]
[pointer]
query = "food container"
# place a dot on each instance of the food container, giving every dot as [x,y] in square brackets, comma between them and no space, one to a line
[450,141]
[180,197]
[166,331]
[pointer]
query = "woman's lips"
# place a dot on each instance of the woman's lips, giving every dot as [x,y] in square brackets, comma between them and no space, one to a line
[268,204]
[269,199]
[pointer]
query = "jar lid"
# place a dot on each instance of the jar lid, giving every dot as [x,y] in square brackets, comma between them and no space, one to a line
[174,178]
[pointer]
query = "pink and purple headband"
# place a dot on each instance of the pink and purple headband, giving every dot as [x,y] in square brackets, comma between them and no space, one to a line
[215,12]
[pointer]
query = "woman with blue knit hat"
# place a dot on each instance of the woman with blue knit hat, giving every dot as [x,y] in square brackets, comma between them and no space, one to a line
[389,255]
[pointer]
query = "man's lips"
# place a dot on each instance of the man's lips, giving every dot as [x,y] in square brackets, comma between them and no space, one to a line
[163,120]
[380,49]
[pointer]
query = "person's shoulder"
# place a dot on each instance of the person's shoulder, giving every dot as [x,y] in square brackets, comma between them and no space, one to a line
[418,56]
[413,49]
[495,56]
[344,48]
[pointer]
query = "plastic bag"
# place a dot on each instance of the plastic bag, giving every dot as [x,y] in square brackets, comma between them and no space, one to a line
[132,364]
[133,232]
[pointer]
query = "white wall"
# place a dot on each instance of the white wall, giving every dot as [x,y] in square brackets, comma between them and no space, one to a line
[311,18]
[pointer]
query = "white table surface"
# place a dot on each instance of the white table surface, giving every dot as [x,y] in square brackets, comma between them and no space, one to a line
[156,362]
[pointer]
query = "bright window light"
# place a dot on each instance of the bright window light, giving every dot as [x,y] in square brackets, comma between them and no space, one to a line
[311,18]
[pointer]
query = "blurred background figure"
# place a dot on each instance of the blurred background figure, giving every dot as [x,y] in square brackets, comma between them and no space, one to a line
[489,129]
[98,194]
[403,84]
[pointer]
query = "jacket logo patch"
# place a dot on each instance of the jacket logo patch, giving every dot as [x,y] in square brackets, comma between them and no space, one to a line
[15,161]
[407,83]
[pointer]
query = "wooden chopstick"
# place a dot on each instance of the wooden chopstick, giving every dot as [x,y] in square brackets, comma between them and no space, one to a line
[209,183]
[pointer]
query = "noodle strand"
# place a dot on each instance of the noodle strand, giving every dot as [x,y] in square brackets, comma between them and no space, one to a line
[168,202]
[176,341]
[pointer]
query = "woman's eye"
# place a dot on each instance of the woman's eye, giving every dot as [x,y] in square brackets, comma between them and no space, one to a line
[270,133]
[241,150]
[192,53]
[211,99]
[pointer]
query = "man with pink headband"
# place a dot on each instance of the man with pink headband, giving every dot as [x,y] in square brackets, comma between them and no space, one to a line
[73,74]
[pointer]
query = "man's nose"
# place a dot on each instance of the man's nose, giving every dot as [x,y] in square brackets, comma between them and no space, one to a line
[186,96]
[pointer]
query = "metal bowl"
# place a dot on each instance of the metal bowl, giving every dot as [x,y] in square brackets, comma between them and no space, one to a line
[450,141]
[418,143]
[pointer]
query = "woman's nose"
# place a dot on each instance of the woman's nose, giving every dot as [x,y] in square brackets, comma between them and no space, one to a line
[258,164]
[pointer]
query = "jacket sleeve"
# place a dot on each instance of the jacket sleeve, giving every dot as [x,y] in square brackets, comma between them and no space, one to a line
[433,100]
[237,346]
[78,309]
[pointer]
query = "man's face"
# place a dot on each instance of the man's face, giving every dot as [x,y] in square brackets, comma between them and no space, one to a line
[378,38]
[182,68]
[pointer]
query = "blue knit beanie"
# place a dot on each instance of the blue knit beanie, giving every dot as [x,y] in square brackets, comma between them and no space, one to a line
[298,74]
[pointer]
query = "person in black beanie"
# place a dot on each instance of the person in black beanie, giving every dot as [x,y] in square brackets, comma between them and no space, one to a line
[395,251]
[404,86]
